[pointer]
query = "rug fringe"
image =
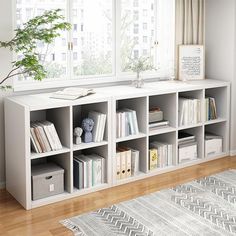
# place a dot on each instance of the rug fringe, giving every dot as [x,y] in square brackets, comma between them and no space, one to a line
[73,227]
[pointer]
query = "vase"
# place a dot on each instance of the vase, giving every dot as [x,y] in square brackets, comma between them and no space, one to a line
[138,82]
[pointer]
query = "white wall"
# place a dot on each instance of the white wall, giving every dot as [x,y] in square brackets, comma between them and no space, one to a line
[220,50]
[220,55]
[5,58]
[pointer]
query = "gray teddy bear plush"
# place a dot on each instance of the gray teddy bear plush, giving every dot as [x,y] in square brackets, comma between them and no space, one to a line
[87,126]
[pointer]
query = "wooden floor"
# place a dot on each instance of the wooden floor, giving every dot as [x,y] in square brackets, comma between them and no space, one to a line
[14,220]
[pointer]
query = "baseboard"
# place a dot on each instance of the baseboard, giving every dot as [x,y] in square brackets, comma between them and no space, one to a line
[2,185]
[232,153]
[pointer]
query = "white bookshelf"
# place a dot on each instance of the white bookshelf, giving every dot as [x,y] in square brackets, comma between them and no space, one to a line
[66,115]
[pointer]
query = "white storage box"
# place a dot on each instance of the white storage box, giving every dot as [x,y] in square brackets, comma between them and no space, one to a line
[47,180]
[213,146]
[187,152]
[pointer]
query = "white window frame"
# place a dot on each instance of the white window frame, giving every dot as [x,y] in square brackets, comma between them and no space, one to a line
[116,77]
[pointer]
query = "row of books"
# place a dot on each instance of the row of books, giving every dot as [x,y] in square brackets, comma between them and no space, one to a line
[127,162]
[44,137]
[126,123]
[189,111]
[99,125]
[187,147]
[88,170]
[210,108]
[160,155]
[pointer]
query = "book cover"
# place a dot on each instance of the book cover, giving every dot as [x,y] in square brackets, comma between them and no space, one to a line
[118,165]
[153,158]
[134,162]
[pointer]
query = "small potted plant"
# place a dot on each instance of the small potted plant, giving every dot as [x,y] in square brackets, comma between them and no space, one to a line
[139,65]
[45,29]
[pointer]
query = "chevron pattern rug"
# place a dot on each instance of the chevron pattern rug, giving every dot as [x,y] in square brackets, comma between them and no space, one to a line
[206,206]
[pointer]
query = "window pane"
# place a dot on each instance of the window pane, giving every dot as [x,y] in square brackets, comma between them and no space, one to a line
[147,30]
[53,57]
[136,30]
[94,37]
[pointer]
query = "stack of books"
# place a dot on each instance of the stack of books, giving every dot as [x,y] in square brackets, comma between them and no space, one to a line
[99,125]
[44,137]
[160,155]
[88,170]
[210,108]
[159,124]
[127,162]
[126,123]
[156,120]
[189,111]
[187,147]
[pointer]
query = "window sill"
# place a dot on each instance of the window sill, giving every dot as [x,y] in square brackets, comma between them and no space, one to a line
[83,82]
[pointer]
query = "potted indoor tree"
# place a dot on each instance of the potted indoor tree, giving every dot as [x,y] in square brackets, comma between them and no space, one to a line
[44,28]
[138,65]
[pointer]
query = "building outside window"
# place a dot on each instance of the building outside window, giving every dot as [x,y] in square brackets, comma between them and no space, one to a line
[100,52]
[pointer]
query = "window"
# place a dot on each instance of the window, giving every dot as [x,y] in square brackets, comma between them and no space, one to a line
[75,55]
[63,42]
[145,39]
[145,26]
[75,41]
[100,49]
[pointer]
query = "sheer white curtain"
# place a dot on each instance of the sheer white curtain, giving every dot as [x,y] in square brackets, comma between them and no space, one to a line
[189,21]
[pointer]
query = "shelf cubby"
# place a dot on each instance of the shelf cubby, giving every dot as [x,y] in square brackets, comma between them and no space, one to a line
[199,136]
[193,94]
[80,112]
[59,117]
[101,151]
[221,130]
[62,160]
[167,104]
[140,106]
[221,99]
[139,144]
[168,138]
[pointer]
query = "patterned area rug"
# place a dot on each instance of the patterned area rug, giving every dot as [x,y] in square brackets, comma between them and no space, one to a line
[203,207]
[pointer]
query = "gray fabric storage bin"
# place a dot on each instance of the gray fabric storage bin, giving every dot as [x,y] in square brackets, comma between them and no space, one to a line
[47,180]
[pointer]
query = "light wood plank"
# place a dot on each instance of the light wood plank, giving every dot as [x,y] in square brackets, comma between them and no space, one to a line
[45,220]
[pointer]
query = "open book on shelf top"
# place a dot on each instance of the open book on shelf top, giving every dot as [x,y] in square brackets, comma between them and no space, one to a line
[72,93]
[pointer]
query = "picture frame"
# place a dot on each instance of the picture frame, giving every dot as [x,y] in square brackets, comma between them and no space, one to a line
[191,62]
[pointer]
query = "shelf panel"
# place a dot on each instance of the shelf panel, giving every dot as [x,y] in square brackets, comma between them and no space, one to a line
[161,131]
[51,199]
[89,190]
[216,155]
[157,170]
[131,137]
[77,147]
[215,121]
[46,154]
[190,126]
[139,175]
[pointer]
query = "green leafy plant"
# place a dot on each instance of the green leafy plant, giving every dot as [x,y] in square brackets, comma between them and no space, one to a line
[140,64]
[45,29]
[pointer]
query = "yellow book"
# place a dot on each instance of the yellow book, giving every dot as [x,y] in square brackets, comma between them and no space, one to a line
[153,156]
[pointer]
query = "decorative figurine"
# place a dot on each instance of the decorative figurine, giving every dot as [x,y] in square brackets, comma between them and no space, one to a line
[87,126]
[77,135]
